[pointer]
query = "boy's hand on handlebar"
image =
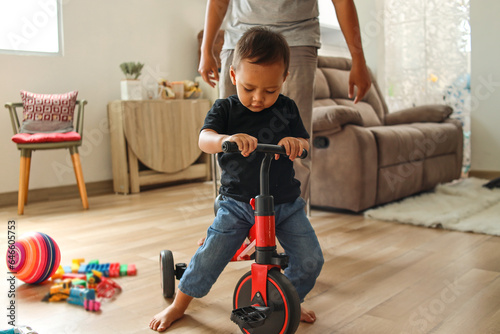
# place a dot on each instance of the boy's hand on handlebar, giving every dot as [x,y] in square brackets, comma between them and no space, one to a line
[293,147]
[246,143]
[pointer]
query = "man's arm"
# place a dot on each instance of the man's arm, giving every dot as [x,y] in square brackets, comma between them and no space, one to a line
[348,20]
[214,16]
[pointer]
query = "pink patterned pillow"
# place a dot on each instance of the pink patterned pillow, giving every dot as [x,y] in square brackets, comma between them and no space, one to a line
[48,112]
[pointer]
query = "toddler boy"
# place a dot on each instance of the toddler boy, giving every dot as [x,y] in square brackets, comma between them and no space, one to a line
[258,113]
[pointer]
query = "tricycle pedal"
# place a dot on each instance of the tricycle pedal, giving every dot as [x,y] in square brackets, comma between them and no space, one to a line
[250,316]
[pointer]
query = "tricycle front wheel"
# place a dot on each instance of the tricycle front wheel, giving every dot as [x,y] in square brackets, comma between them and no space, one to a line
[282,299]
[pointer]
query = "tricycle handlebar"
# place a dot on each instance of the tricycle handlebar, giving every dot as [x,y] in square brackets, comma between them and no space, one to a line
[229,146]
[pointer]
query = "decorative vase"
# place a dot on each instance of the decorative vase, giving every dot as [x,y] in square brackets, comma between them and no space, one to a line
[131,89]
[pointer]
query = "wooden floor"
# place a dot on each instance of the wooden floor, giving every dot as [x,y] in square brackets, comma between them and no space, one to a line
[378,277]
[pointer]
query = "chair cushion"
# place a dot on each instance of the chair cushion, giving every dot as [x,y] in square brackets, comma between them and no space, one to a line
[48,112]
[54,137]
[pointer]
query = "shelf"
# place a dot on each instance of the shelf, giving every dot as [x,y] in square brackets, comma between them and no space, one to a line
[160,134]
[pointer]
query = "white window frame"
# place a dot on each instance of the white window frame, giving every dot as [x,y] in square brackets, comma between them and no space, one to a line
[327,15]
[29,24]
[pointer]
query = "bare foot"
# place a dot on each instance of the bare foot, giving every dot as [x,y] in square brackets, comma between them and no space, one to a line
[165,318]
[307,315]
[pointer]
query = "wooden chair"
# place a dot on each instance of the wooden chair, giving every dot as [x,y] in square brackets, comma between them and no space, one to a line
[27,143]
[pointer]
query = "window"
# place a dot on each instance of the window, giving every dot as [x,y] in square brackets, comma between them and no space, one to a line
[327,15]
[31,27]
[332,40]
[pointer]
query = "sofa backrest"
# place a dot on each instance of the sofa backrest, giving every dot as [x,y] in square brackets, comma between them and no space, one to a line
[332,85]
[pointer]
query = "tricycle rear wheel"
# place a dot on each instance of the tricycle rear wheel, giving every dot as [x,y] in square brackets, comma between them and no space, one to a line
[167,273]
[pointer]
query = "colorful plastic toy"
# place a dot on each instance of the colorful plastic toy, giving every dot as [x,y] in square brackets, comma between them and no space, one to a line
[78,267]
[82,289]
[84,297]
[107,288]
[33,258]
[58,292]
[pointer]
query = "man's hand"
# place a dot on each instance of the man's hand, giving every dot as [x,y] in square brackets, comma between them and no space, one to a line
[208,68]
[359,77]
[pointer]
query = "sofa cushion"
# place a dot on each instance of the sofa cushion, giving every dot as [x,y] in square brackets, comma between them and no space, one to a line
[321,89]
[440,138]
[366,111]
[427,113]
[338,83]
[335,62]
[372,98]
[398,144]
[334,117]
[324,102]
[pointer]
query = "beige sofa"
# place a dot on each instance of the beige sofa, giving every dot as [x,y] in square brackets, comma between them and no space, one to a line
[364,156]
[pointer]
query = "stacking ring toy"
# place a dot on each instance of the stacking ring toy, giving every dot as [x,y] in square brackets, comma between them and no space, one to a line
[33,258]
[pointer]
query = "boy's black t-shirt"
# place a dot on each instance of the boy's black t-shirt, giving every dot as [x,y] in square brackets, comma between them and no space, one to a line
[240,175]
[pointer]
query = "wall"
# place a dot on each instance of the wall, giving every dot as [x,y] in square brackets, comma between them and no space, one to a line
[485,86]
[98,36]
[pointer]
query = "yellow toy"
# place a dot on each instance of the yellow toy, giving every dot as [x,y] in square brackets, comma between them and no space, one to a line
[58,291]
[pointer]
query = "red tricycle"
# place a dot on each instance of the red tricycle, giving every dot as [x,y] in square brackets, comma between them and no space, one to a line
[264,300]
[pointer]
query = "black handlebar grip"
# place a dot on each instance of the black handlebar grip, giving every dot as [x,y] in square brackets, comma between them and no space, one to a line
[229,146]
[303,155]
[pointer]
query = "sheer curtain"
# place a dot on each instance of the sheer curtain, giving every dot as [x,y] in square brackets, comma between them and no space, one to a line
[427,57]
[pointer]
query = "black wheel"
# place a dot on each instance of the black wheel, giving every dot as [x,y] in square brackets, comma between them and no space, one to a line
[167,273]
[282,299]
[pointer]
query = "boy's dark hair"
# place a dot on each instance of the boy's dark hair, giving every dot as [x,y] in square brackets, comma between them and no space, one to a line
[262,46]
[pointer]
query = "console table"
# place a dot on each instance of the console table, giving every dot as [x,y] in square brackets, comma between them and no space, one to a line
[163,136]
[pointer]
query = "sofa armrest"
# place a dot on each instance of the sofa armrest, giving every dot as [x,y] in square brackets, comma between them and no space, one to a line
[435,113]
[332,118]
[345,170]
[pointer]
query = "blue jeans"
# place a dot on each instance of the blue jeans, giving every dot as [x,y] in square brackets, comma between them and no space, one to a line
[229,230]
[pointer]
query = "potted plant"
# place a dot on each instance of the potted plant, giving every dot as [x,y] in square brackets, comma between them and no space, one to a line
[131,88]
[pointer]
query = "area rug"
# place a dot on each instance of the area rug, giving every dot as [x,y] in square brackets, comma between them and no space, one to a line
[463,205]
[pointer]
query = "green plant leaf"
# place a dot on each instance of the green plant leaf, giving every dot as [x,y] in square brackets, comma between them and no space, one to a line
[131,69]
